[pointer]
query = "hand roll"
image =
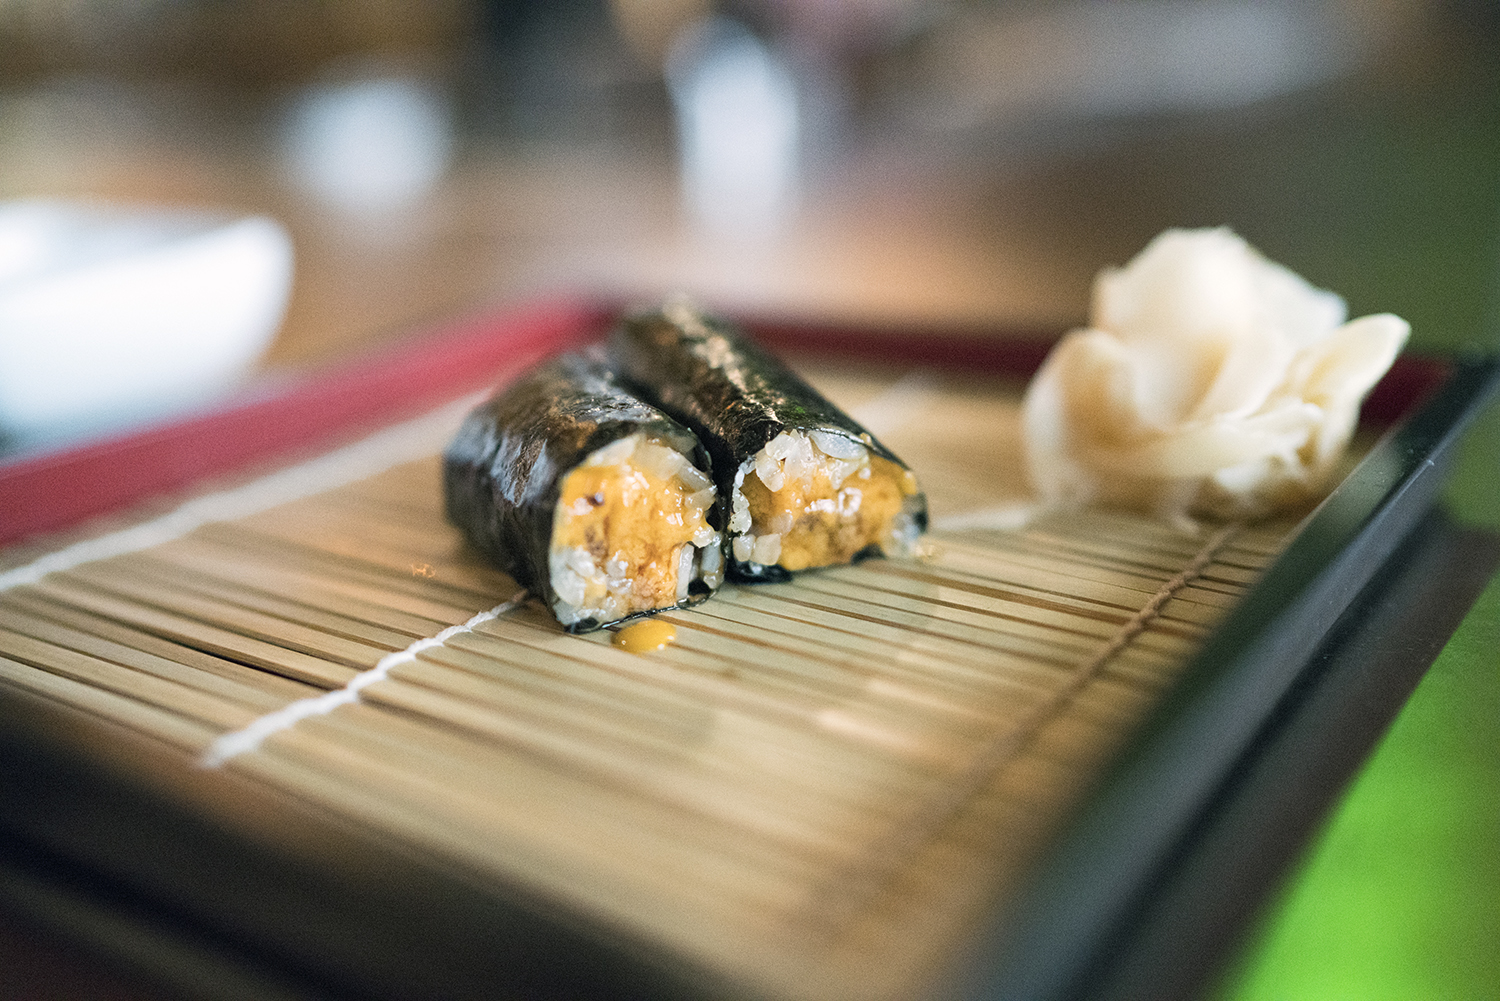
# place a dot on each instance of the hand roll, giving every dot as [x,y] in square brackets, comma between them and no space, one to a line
[806,486]
[599,503]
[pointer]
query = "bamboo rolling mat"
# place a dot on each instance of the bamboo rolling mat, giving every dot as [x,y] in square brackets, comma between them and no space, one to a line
[813,790]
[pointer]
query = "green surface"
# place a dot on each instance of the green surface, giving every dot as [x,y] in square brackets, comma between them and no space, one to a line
[1400,895]
[1474,492]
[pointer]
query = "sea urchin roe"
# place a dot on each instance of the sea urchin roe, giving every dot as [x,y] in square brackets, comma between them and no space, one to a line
[799,506]
[631,531]
[644,636]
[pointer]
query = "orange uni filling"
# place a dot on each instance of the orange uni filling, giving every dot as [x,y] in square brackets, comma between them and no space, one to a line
[622,513]
[829,526]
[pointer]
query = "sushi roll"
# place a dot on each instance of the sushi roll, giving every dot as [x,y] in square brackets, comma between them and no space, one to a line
[600,504]
[804,484]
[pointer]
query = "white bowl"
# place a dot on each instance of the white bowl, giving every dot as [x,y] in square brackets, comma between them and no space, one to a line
[111,314]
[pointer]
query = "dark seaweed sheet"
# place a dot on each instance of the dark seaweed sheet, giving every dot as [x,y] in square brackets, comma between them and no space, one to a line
[503,472]
[736,395]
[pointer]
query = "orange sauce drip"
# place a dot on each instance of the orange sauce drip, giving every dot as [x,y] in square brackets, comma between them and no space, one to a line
[644,636]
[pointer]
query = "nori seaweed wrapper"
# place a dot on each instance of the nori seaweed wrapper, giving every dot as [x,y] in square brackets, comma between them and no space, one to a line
[737,396]
[503,471]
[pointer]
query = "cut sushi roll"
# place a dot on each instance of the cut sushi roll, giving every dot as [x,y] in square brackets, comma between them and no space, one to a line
[806,486]
[600,504]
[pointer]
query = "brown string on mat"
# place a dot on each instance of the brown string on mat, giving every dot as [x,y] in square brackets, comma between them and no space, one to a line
[853,886]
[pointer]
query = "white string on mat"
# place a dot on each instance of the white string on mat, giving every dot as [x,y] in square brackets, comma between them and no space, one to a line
[383,450]
[1005,518]
[250,737]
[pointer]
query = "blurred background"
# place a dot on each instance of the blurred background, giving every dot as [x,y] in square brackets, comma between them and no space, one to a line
[386,166]
[922,159]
